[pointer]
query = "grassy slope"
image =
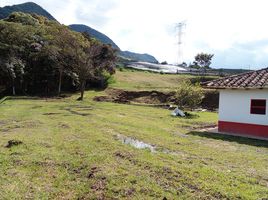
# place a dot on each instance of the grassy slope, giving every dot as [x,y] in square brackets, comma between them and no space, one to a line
[69,150]
[138,80]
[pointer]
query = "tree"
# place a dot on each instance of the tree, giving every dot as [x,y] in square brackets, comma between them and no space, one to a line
[13,67]
[164,63]
[203,60]
[188,95]
[92,59]
[104,61]
[43,56]
[59,51]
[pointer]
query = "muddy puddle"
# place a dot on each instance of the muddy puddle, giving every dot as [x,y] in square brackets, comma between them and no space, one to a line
[136,143]
[142,145]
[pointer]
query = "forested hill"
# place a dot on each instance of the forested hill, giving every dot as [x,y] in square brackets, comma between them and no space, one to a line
[34,8]
[94,33]
[106,40]
[138,57]
[28,7]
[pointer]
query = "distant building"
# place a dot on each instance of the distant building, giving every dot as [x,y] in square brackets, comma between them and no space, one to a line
[243,104]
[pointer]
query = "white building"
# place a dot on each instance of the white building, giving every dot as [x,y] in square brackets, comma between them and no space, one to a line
[243,104]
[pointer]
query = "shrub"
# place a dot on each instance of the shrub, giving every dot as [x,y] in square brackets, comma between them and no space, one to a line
[108,78]
[188,95]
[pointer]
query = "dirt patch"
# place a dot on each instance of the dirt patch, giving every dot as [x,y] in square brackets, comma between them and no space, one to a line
[146,97]
[123,155]
[76,112]
[64,126]
[199,127]
[51,114]
[4,122]
[157,98]
[99,184]
[12,143]
[99,188]
[93,172]
[36,107]
[30,124]
[10,125]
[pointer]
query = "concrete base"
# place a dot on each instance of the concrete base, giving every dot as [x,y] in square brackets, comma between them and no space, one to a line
[216,131]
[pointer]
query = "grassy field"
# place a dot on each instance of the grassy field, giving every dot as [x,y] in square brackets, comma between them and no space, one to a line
[138,80]
[71,150]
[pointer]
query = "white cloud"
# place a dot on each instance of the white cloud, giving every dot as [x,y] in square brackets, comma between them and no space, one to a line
[213,26]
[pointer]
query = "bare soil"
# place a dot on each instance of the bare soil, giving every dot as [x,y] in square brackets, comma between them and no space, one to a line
[210,101]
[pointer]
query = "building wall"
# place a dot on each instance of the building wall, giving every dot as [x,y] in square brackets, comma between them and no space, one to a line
[234,113]
[235,106]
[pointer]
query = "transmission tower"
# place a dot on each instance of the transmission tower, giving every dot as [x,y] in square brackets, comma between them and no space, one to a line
[180,28]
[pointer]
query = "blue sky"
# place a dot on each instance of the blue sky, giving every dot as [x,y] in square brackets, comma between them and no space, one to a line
[234,30]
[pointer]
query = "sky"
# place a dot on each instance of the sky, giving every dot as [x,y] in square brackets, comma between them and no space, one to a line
[235,31]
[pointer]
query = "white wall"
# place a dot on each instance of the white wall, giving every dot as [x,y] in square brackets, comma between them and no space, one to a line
[235,106]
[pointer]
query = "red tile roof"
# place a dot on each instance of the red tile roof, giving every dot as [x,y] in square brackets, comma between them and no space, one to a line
[250,80]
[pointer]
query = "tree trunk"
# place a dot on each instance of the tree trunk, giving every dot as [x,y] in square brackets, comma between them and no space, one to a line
[13,88]
[60,80]
[82,90]
[102,82]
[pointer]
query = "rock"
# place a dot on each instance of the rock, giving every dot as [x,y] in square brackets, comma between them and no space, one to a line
[12,143]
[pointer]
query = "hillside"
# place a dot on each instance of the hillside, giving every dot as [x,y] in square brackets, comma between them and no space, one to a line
[94,33]
[31,7]
[28,7]
[138,57]
[105,39]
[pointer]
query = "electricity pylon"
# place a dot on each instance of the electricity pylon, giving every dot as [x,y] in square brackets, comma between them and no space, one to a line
[180,28]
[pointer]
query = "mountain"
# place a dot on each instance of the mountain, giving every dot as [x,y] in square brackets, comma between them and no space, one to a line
[31,7]
[105,39]
[93,33]
[28,7]
[138,57]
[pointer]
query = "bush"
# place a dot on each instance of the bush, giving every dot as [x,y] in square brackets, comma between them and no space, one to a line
[108,78]
[121,69]
[188,95]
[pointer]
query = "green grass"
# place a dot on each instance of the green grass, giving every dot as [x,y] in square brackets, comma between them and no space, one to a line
[138,80]
[70,151]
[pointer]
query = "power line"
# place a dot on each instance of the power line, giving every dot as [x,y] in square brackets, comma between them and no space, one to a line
[180,27]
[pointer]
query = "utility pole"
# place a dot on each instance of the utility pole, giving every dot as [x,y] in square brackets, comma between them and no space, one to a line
[180,27]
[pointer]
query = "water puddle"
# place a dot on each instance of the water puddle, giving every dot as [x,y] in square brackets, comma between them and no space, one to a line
[136,143]
[142,145]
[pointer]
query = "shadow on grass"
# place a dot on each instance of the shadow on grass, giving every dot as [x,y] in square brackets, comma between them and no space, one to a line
[229,138]
[187,116]
[191,115]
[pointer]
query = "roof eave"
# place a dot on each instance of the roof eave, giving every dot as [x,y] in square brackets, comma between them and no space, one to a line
[234,88]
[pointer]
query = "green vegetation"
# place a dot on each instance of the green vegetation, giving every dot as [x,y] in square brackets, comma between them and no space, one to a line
[69,150]
[39,56]
[131,79]
[139,80]
[202,61]
[28,7]
[60,148]
[188,95]
[94,33]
